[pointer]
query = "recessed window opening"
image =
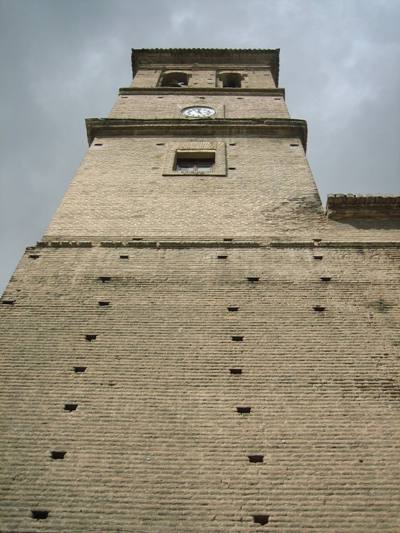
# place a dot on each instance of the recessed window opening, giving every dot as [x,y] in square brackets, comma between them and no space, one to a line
[231,168]
[136,238]
[227,239]
[319,308]
[222,256]
[294,144]
[175,79]
[253,279]
[318,257]
[243,410]
[233,308]
[8,302]
[325,278]
[98,144]
[57,455]
[34,256]
[90,338]
[105,279]
[237,338]
[232,144]
[103,303]
[261,519]
[160,144]
[80,369]
[70,407]
[257,458]
[40,514]
[194,162]
[235,371]
[232,80]
[124,256]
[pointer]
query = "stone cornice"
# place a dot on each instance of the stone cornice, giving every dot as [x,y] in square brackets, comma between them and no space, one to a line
[212,56]
[362,206]
[268,127]
[213,91]
[262,243]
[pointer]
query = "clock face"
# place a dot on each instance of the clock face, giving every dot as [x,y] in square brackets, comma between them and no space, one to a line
[198,112]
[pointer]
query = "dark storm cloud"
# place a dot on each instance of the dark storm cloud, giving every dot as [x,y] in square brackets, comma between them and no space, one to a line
[63,61]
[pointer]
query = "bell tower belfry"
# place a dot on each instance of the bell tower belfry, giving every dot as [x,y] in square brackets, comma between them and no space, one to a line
[194,345]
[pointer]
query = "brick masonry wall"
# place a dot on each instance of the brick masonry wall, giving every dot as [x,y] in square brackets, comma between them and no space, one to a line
[170,106]
[120,190]
[156,442]
[269,192]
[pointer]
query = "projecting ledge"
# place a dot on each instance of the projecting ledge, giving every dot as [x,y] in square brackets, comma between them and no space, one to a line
[362,206]
[263,127]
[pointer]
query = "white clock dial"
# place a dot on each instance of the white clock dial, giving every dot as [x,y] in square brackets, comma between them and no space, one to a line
[198,112]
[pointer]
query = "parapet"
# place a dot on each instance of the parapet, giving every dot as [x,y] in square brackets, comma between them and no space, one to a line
[362,206]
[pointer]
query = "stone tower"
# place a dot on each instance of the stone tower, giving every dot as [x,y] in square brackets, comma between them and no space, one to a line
[195,345]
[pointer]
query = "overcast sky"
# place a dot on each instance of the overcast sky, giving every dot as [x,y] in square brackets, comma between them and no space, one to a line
[64,60]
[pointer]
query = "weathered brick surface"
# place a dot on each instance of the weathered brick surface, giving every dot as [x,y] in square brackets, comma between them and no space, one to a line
[156,443]
[130,358]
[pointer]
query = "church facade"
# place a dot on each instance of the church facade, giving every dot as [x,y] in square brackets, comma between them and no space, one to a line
[195,344]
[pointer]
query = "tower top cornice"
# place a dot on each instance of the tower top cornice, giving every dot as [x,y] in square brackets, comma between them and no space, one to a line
[146,57]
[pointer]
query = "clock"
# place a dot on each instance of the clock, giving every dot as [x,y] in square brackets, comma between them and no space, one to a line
[198,111]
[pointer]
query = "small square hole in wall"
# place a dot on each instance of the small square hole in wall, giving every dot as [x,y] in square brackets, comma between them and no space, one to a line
[261,519]
[103,303]
[202,97]
[237,338]
[98,144]
[90,338]
[253,279]
[318,257]
[243,410]
[233,308]
[8,302]
[124,256]
[105,279]
[34,256]
[136,238]
[56,455]
[232,144]
[294,144]
[325,278]
[39,514]
[222,256]
[80,369]
[235,371]
[231,168]
[257,458]
[160,144]
[70,407]
[227,239]
[160,96]
[317,241]
[319,308]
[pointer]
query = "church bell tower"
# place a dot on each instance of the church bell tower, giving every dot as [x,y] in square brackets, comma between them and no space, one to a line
[195,345]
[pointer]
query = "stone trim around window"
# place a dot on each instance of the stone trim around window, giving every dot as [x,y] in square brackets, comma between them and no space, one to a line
[218,147]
